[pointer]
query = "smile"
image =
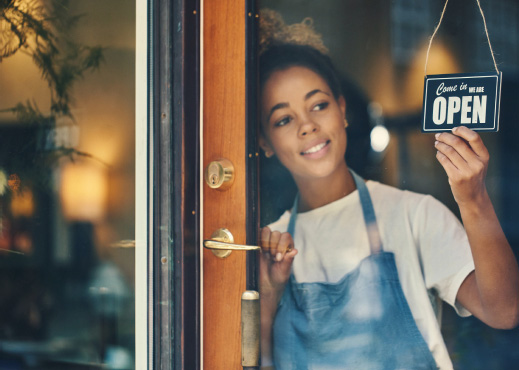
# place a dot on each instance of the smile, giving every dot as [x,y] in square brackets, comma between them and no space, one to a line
[316,148]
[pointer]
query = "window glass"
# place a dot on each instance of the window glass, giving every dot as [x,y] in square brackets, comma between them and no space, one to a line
[379,49]
[67,188]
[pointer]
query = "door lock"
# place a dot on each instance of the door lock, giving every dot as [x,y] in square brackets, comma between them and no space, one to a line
[219,174]
[222,244]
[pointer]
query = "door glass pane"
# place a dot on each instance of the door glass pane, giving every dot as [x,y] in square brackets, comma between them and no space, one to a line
[379,50]
[67,188]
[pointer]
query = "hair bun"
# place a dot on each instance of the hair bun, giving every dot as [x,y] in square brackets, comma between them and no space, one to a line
[274,31]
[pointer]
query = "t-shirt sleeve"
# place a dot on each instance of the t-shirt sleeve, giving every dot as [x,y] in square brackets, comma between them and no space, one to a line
[444,249]
[281,224]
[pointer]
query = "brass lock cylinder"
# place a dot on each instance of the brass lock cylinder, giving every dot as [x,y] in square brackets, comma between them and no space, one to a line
[219,174]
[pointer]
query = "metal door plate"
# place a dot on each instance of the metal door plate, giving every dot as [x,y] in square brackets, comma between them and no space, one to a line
[222,235]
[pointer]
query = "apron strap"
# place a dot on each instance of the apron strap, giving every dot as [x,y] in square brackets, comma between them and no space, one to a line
[375,243]
[293,216]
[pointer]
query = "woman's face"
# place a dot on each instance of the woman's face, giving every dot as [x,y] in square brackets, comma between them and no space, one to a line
[303,123]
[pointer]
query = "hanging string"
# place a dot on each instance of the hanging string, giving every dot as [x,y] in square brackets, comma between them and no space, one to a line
[432,37]
[438,26]
[488,38]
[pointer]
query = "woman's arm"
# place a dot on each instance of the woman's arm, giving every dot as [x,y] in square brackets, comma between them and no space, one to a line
[491,292]
[277,255]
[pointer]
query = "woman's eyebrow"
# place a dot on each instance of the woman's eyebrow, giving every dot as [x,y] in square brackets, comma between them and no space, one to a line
[277,106]
[313,92]
[286,105]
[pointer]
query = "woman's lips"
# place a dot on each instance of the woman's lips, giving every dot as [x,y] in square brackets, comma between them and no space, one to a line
[317,150]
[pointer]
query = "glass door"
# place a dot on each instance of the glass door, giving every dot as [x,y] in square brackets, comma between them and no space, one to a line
[73,184]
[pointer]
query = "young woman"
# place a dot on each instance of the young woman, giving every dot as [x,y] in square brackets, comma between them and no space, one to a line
[345,276]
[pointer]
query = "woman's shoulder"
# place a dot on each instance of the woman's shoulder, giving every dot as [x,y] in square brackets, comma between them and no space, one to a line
[378,187]
[391,196]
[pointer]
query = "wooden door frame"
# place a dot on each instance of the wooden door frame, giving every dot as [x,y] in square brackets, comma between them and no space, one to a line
[174,129]
[229,31]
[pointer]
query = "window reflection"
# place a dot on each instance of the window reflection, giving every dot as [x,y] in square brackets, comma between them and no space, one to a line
[67,188]
[380,47]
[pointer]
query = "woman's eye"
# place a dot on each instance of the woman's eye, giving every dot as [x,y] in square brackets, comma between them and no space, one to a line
[282,122]
[320,106]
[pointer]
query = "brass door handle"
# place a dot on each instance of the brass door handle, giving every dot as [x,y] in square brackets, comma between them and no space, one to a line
[213,244]
[222,244]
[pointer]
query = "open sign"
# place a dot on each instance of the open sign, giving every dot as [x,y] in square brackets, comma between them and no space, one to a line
[461,99]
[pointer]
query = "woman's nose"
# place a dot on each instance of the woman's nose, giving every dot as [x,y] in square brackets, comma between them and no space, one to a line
[307,127]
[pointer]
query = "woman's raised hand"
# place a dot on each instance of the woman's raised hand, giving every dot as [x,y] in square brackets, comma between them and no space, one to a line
[465,160]
[491,292]
[277,255]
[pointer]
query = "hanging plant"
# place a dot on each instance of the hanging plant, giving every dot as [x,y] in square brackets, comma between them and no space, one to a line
[45,33]
[20,21]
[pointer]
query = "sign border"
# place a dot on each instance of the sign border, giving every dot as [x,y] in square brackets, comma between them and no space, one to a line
[497,102]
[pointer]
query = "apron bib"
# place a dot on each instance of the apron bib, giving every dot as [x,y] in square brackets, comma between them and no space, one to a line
[361,322]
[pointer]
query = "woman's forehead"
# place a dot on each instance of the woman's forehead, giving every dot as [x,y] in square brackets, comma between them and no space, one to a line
[293,82]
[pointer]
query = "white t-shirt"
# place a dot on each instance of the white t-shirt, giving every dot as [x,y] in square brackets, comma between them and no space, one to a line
[431,249]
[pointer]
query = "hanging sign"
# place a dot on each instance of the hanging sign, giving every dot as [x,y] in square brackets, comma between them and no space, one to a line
[468,99]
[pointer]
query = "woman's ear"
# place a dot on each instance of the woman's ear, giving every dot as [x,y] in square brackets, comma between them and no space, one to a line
[342,105]
[263,143]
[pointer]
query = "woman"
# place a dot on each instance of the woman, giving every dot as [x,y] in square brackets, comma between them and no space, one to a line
[356,294]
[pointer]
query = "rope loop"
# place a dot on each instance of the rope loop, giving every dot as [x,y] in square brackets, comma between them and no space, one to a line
[438,26]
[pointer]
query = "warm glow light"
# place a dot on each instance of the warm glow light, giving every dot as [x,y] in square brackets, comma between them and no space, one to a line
[14,182]
[3,182]
[379,138]
[84,191]
[22,203]
[441,60]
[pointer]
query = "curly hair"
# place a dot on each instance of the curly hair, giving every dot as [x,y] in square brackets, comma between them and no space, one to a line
[274,31]
[283,46]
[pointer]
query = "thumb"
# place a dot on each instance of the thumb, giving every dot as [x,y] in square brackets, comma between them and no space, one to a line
[286,263]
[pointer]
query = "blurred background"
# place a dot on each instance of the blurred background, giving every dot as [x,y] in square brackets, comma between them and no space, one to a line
[380,48]
[67,184]
[67,157]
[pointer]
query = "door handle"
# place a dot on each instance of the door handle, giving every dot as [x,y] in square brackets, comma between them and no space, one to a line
[222,244]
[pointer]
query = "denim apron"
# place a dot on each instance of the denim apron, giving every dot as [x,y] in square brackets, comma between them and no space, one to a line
[361,322]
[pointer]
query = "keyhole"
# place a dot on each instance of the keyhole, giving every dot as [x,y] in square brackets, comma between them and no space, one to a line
[219,174]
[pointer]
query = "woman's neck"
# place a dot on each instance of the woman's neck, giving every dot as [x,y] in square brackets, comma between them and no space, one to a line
[315,193]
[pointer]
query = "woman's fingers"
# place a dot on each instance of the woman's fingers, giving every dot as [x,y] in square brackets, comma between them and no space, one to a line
[450,153]
[265,240]
[464,149]
[474,140]
[285,244]
[465,160]
[275,244]
[276,259]
[269,241]
[275,237]
[467,143]
[455,148]
[448,166]
[286,263]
